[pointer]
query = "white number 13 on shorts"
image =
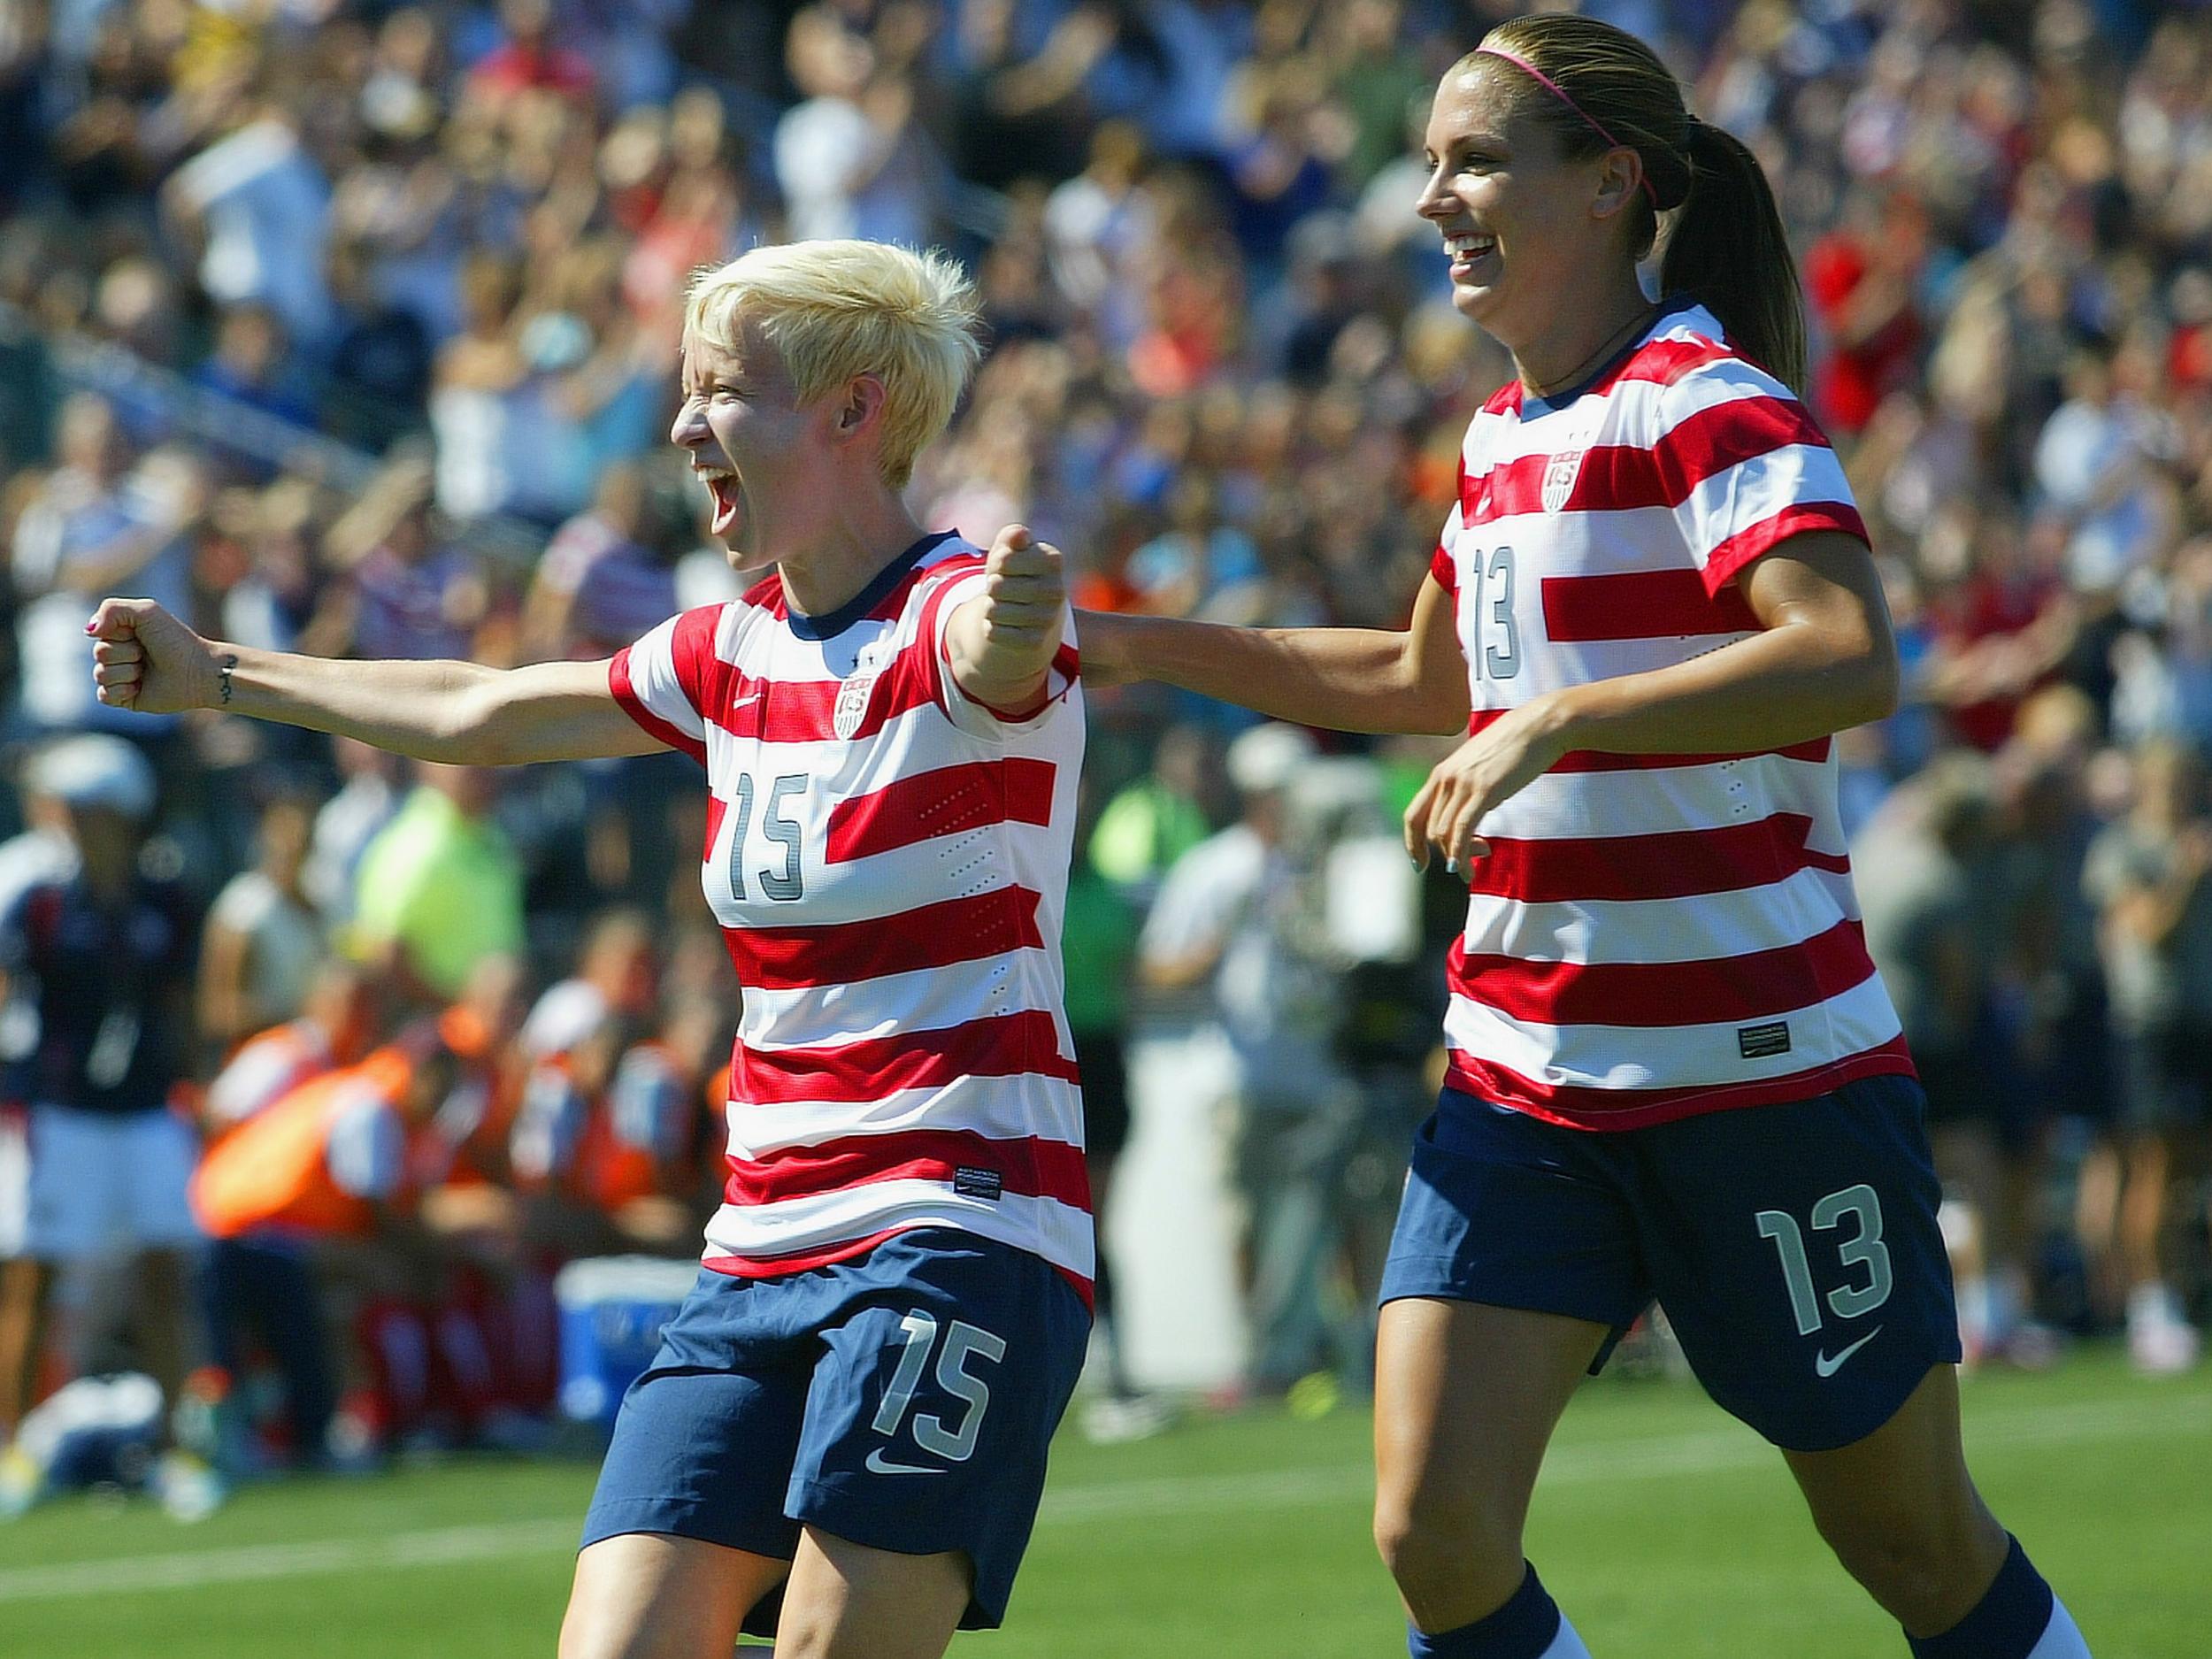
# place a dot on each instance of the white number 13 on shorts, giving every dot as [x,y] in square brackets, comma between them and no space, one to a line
[1863,1249]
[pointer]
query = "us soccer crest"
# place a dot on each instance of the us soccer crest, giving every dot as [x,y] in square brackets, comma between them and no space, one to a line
[1559,478]
[853,696]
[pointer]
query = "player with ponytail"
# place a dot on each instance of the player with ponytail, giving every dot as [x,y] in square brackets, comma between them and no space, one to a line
[1673,1071]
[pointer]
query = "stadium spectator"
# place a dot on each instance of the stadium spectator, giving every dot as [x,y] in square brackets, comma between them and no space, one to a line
[338,1018]
[263,940]
[97,961]
[439,889]
[1229,921]
[2151,874]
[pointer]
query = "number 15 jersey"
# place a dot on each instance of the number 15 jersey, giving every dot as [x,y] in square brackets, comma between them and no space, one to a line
[888,861]
[1652,936]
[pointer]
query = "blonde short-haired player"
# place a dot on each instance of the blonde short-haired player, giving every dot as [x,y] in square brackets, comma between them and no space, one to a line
[851,1411]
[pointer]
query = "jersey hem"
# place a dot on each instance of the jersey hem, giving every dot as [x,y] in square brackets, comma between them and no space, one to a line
[845,1249]
[1798,1086]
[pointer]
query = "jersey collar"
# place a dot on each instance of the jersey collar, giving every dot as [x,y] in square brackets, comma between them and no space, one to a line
[830,623]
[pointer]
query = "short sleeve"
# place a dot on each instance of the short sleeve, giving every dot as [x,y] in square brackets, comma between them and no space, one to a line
[661,680]
[1746,468]
[941,597]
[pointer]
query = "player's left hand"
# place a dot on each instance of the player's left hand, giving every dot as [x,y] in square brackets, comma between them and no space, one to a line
[1025,593]
[1487,770]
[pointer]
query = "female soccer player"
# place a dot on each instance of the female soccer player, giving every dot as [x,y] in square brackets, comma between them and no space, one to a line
[1673,1073]
[856,1401]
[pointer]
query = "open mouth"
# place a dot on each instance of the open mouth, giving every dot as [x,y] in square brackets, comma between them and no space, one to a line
[722,484]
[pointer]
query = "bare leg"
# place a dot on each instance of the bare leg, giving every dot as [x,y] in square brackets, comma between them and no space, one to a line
[1466,1397]
[846,1600]
[25,1285]
[1902,1515]
[650,1595]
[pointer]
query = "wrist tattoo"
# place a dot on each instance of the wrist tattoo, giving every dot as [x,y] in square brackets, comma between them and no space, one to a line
[225,663]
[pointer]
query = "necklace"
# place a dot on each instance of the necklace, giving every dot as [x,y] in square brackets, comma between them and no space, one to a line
[1575,376]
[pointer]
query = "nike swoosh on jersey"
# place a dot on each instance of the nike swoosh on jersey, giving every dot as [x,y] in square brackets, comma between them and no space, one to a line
[880,1464]
[1825,1366]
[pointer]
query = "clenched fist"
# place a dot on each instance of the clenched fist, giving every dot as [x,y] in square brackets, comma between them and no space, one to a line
[144,659]
[1025,593]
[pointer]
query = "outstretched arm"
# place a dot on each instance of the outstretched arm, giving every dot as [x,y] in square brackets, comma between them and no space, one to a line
[461,713]
[1350,679]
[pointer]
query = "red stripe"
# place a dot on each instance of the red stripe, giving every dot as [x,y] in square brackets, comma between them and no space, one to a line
[1591,760]
[767,594]
[1614,477]
[1031,1166]
[932,936]
[1009,1045]
[951,801]
[659,730]
[932,627]
[845,1250]
[1714,991]
[1724,562]
[805,710]
[1664,362]
[1442,568]
[1673,865]
[1578,1106]
[1640,605]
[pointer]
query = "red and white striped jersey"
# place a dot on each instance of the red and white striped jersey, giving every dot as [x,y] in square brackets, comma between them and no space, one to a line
[1652,936]
[888,861]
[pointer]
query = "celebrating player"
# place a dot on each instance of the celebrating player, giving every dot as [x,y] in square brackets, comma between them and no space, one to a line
[1673,1071]
[854,1404]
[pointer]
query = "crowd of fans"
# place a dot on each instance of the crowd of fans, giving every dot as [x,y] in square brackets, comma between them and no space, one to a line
[349,326]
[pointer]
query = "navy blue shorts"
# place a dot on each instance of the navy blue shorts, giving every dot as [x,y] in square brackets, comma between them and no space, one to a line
[1795,1248]
[903,1400]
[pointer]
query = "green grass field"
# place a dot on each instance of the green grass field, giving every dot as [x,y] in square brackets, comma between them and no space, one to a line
[1664,1527]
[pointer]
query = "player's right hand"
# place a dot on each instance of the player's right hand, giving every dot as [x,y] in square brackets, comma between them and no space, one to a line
[144,659]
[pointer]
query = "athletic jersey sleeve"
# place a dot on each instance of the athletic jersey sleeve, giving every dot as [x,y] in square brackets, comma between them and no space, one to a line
[943,595]
[661,680]
[1746,467]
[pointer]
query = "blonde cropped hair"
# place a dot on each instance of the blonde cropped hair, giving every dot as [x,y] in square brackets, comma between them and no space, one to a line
[835,310]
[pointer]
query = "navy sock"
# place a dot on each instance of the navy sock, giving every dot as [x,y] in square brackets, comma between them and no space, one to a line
[2005,1624]
[1522,1629]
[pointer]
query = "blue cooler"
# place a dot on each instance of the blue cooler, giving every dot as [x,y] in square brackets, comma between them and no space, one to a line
[612,1309]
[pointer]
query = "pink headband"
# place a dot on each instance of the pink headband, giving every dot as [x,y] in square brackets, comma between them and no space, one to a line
[1559,92]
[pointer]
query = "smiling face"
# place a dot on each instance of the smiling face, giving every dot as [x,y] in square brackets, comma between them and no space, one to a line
[1523,225]
[751,444]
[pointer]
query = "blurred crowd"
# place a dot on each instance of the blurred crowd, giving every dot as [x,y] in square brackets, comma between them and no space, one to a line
[349,327]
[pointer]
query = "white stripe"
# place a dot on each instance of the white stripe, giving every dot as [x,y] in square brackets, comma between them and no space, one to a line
[1672,1057]
[1751,492]
[1699,928]
[653,679]
[1059,1232]
[998,1107]
[898,1004]
[1669,799]
[1595,1462]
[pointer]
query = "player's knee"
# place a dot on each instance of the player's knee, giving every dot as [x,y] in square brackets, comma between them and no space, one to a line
[1435,1548]
[1924,1569]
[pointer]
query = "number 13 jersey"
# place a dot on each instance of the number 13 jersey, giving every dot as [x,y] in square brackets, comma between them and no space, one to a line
[888,861]
[1652,936]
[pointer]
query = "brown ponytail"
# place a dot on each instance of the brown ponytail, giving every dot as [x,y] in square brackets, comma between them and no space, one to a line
[1727,250]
